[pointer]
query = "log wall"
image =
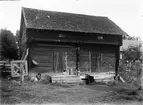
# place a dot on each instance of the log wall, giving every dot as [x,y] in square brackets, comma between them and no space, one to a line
[60,59]
[53,59]
[57,59]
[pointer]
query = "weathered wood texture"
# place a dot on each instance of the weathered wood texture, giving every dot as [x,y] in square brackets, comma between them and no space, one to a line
[19,68]
[53,59]
[108,62]
[117,60]
[60,59]
[23,38]
[65,37]
[55,51]
[84,61]
[73,37]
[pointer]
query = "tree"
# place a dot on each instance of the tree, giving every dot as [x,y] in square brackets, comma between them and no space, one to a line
[127,37]
[131,65]
[18,42]
[8,45]
[132,53]
[17,36]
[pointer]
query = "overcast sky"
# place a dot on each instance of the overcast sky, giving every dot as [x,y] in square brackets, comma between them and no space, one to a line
[127,14]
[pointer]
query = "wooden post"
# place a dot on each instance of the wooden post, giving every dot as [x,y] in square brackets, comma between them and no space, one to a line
[117,60]
[100,58]
[66,64]
[98,62]
[22,77]
[21,66]
[57,61]
[90,61]
[53,61]
[21,73]
[77,59]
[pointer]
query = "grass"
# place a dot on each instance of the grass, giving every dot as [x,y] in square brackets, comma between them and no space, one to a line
[14,92]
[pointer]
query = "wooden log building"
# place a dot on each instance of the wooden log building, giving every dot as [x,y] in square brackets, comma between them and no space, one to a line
[65,42]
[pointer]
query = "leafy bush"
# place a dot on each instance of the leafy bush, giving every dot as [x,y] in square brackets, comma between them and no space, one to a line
[130,66]
[8,46]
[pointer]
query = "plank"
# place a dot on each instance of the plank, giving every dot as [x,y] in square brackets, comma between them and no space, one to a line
[89,61]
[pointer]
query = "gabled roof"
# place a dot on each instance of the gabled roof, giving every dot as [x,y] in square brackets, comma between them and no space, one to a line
[50,20]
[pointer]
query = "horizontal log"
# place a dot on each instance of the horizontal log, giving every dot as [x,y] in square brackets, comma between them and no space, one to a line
[42,52]
[45,65]
[44,57]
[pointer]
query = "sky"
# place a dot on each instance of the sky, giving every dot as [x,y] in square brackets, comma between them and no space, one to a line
[127,14]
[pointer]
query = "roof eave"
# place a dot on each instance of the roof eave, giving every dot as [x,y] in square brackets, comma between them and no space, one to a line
[103,33]
[25,21]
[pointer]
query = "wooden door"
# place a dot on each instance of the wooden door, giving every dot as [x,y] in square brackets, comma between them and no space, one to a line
[84,61]
[94,60]
[71,61]
[108,62]
[64,60]
[58,61]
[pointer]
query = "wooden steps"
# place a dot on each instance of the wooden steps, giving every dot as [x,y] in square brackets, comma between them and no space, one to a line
[66,78]
[99,77]
[74,79]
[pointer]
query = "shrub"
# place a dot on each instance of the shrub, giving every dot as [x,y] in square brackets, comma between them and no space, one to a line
[130,67]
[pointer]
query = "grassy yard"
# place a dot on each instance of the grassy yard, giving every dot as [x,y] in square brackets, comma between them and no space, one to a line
[14,92]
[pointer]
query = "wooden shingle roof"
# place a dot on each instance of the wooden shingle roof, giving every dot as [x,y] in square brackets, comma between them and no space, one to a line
[50,20]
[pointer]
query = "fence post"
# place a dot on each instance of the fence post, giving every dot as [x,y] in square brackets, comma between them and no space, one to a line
[21,73]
